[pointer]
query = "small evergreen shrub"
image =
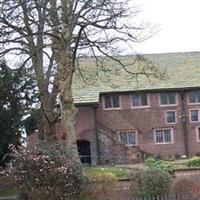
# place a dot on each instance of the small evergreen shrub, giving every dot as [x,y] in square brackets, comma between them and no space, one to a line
[152,163]
[194,162]
[147,184]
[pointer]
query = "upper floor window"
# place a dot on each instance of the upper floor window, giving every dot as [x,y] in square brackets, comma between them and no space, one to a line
[128,138]
[140,100]
[194,97]
[111,101]
[194,115]
[167,98]
[170,116]
[163,136]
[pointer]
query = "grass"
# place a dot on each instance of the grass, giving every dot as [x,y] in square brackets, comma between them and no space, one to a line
[115,171]
[178,164]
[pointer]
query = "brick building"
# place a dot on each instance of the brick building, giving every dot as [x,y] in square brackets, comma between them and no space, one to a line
[122,117]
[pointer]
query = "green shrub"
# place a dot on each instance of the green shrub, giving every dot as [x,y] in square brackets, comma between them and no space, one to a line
[194,162]
[152,163]
[147,184]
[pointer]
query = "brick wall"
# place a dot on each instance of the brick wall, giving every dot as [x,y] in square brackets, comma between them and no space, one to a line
[85,128]
[193,143]
[144,120]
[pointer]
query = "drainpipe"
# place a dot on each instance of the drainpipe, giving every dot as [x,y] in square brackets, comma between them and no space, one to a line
[96,135]
[184,120]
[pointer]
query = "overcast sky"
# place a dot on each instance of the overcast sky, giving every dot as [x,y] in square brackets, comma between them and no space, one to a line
[179,22]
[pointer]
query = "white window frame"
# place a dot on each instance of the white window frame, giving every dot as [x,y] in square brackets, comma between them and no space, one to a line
[168,105]
[136,107]
[129,131]
[188,100]
[197,133]
[112,108]
[166,117]
[160,143]
[190,115]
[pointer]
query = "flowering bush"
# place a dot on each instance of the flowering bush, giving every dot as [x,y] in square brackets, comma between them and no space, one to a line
[47,175]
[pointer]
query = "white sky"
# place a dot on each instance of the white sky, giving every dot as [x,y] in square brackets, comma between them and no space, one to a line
[179,22]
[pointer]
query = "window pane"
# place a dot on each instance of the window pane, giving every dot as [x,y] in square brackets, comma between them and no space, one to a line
[159,136]
[131,138]
[170,116]
[198,96]
[136,100]
[144,100]
[172,98]
[163,98]
[167,136]
[194,115]
[191,96]
[108,103]
[123,137]
[115,101]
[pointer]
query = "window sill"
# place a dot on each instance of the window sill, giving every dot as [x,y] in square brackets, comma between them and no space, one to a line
[140,107]
[168,105]
[193,104]
[163,143]
[194,122]
[171,123]
[131,145]
[112,108]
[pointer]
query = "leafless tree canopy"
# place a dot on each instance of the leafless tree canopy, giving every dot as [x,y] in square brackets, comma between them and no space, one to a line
[50,35]
[90,27]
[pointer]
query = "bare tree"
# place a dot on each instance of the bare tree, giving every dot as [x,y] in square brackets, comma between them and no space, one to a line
[51,36]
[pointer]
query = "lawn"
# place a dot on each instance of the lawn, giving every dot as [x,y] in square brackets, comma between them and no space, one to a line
[124,170]
[178,164]
[102,170]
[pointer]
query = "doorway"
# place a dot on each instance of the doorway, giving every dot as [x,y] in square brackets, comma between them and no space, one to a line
[84,151]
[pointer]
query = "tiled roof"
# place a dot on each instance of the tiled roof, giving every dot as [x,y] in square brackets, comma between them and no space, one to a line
[181,70]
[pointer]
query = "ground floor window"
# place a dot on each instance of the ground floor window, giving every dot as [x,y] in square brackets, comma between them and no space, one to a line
[170,116]
[128,138]
[163,136]
[198,133]
[194,115]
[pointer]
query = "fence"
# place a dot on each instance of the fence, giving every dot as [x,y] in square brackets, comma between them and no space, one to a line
[189,196]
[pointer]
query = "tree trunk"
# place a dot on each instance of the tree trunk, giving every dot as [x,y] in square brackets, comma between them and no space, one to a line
[47,132]
[68,110]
